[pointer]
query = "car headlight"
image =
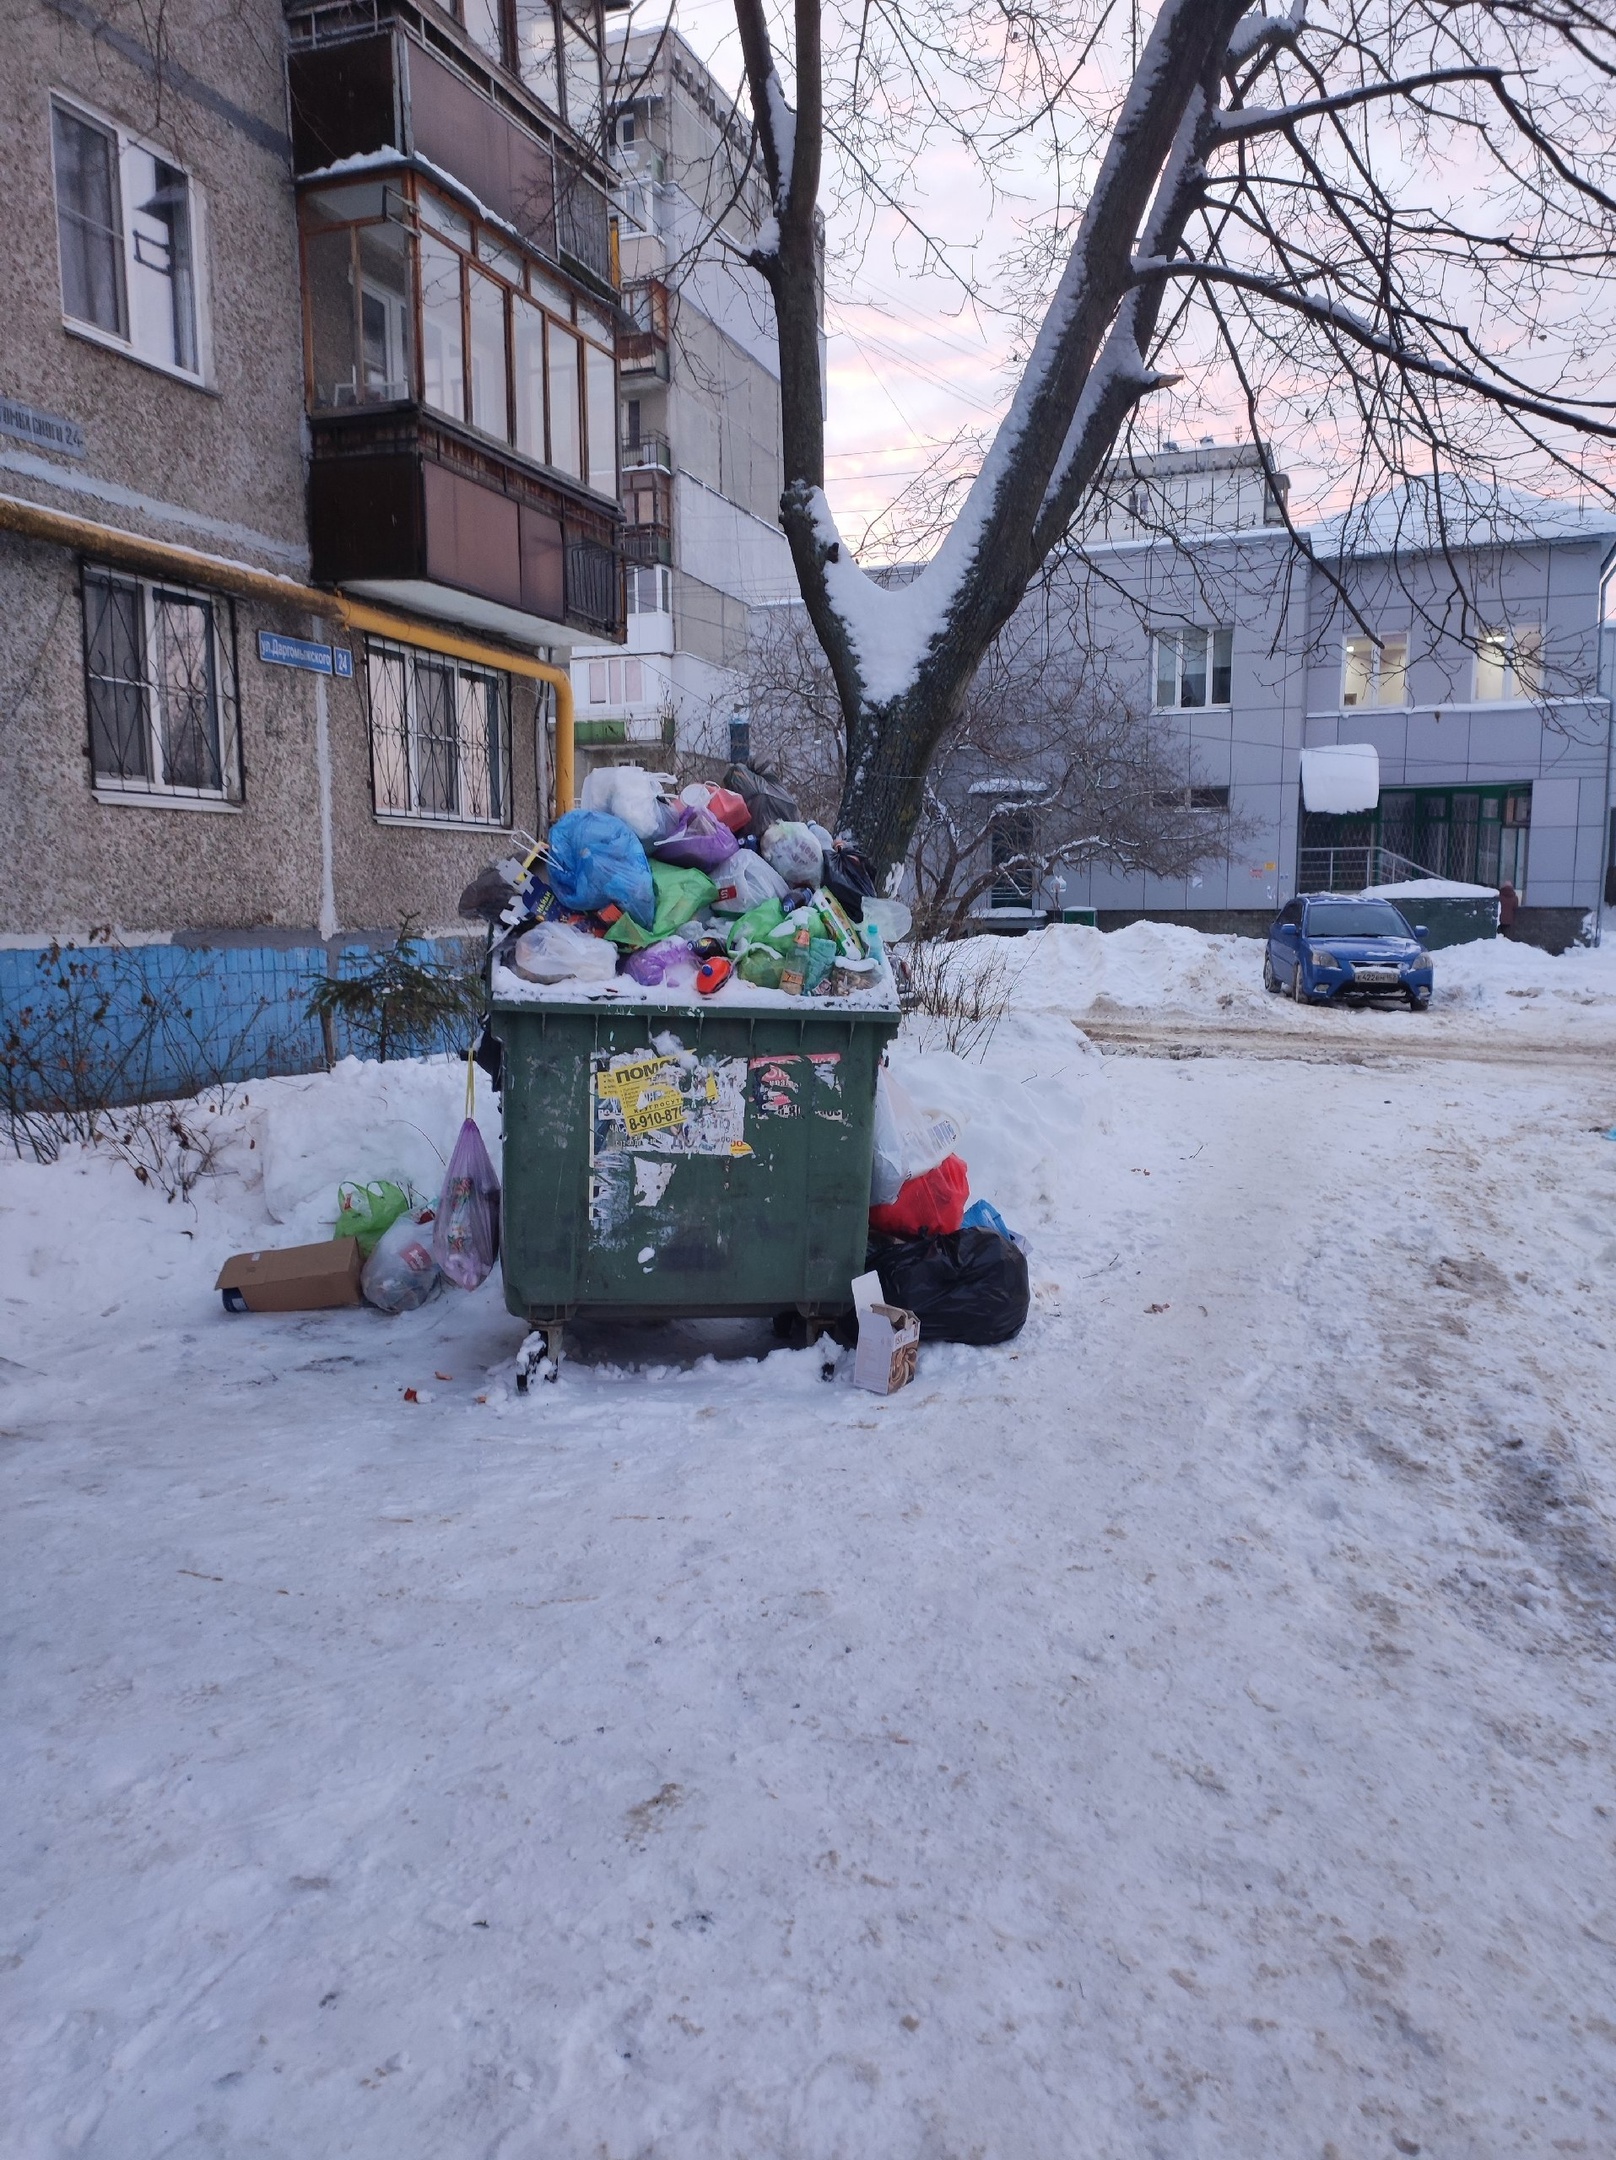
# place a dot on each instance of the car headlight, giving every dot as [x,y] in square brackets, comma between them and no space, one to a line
[1421,959]
[1324,960]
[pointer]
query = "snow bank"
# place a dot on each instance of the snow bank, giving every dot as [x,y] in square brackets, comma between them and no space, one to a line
[1022,1107]
[361,1121]
[1431,888]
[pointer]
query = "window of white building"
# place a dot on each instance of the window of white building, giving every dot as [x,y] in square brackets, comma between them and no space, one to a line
[1375,673]
[127,224]
[1509,663]
[617,682]
[1194,668]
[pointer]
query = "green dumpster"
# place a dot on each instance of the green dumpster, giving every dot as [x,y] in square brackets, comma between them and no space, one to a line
[680,1161]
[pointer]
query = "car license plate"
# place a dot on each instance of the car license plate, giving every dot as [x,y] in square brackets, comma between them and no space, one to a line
[1374,975]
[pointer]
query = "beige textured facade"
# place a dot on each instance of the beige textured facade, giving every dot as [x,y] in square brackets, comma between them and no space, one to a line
[212,456]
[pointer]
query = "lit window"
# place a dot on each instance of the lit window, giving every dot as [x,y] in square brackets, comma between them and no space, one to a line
[440,737]
[1194,668]
[160,675]
[1509,663]
[1375,673]
[125,227]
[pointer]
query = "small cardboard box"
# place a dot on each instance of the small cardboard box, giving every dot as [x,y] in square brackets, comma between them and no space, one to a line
[298,1278]
[888,1339]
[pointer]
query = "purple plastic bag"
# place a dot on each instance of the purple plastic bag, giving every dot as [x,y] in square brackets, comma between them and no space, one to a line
[697,842]
[465,1237]
[653,963]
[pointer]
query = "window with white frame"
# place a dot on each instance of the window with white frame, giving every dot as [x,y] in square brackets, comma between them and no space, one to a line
[1509,663]
[617,682]
[1193,668]
[127,224]
[1374,671]
[650,589]
[160,683]
[440,738]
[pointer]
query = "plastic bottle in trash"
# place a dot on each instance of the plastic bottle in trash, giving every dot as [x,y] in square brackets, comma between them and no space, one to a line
[795,972]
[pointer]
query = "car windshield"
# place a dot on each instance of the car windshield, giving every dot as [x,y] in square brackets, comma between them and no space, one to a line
[1355,918]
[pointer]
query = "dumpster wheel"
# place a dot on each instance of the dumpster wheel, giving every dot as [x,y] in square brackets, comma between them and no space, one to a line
[540,1353]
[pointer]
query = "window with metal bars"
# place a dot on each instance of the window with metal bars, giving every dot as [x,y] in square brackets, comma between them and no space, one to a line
[160,685]
[439,737]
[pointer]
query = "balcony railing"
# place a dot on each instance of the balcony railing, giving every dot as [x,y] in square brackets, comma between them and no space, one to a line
[595,586]
[651,451]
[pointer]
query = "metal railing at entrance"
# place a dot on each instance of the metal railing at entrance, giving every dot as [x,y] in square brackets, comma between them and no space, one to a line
[1354,869]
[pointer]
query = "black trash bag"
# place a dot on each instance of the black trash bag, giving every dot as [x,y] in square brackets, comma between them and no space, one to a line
[488,895]
[766,800]
[848,879]
[969,1286]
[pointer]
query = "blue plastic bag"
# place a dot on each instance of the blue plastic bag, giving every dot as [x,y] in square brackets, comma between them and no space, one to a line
[983,1215]
[597,861]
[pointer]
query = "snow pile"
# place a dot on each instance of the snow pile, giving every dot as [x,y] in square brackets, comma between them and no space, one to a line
[361,1121]
[1431,888]
[1069,968]
[1497,975]
[1022,1107]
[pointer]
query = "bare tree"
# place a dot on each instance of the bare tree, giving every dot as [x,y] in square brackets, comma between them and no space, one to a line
[1045,769]
[1402,218]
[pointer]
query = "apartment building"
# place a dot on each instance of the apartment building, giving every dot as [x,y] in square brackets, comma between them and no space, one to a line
[308,456]
[700,415]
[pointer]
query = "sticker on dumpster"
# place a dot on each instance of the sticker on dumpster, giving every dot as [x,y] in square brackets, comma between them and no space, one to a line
[668,1105]
[775,1081]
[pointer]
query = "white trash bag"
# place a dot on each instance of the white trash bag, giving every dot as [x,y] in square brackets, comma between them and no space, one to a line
[627,792]
[745,881]
[909,1141]
[553,952]
[401,1273]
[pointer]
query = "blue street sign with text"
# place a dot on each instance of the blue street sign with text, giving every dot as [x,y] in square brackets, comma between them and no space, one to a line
[295,652]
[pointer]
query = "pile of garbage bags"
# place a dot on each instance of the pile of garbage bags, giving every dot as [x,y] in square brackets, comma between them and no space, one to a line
[410,1250]
[953,1262]
[686,893]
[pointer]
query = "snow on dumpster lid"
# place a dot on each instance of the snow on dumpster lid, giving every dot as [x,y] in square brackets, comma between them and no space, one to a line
[1339,778]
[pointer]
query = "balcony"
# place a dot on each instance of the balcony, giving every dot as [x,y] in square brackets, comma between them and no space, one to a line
[653,452]
[398,79]
[642,349]
[462,416]
[406,507]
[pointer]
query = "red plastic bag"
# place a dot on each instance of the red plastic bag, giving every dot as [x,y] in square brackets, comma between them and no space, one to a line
[729,808]
[465,1237]
[931,1205]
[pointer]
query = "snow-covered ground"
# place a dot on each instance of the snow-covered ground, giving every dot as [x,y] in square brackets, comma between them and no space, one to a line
[1183,1731]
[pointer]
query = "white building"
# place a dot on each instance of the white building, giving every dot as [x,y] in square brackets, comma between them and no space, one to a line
[700,418]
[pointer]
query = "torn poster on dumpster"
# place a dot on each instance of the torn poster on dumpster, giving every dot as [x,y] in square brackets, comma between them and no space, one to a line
[668,1105]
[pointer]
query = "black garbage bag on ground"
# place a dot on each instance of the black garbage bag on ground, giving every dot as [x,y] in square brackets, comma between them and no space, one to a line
[970,1286]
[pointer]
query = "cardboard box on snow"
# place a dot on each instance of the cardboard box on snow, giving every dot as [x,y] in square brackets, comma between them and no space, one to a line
[298,1278]
[888,1339]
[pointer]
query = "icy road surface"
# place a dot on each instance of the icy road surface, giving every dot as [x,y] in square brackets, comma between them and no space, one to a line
[1183,1732]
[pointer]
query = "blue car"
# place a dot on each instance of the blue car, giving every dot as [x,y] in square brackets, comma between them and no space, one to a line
[1326,946]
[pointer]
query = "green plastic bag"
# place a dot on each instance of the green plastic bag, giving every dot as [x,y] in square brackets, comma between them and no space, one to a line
[679,895]
[365,1211]
[755,925]
[822,957]
[761,965]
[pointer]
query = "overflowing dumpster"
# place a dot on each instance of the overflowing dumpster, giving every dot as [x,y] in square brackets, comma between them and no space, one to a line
[667,1160]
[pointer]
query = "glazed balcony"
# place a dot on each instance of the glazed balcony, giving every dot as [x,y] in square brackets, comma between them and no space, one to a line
[463,409]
